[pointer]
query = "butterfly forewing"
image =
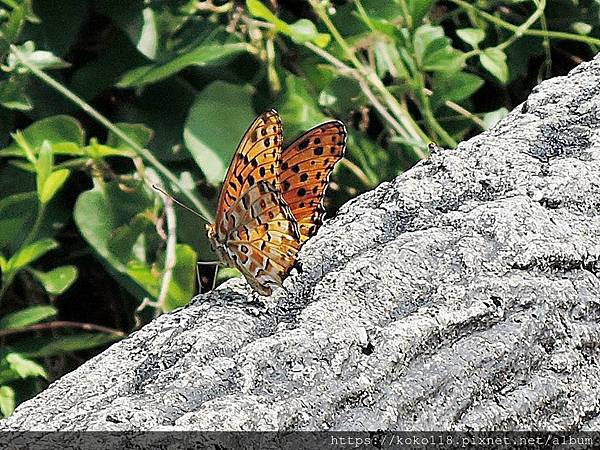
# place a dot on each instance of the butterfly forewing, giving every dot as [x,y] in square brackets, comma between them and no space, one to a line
[304,171]
[256,158]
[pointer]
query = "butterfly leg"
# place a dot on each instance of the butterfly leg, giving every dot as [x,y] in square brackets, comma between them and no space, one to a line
[214,283]
[205,263]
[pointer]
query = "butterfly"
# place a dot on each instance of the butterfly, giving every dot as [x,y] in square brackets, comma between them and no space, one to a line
[271,201]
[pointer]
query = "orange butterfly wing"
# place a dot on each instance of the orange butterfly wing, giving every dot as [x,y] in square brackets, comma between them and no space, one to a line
[263,240]
[304,171]
[254,229]
[256,158]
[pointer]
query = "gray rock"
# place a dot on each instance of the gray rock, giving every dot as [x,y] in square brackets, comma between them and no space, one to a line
[463,295]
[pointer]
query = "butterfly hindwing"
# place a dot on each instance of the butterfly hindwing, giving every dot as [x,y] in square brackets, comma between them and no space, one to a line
[263,238]
[305,167]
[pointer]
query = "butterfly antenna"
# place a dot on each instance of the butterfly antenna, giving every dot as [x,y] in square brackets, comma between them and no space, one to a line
[156,188]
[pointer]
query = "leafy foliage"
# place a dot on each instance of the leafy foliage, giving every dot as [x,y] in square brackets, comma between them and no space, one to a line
[133,94]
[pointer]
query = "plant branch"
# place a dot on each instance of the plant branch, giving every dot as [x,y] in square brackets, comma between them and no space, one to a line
[358,173]
[171,255]
[348,71]
[348,51]
[410,128]
[143,152]
[428,113]
[515,28]
[57,324]
[521,29]
[459,109]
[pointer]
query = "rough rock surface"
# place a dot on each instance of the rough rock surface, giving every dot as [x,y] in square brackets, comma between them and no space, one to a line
[462,295]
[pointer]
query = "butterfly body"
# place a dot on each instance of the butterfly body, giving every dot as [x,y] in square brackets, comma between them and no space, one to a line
[271,200]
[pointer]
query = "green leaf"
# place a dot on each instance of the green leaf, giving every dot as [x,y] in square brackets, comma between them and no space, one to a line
[257,9]
[215,125]
[99,151]
[12,96]
[388,60]
[300,31]
[494,61]
[42,59]
[322,40]
[183,283]
[582,28]
[11,28]
[493,117]
[418,10]
[472,36]
[22,147]
[424,36]
[30,253]
[181,287]
[225,273]
[455,87]
[101,215]
[201,56]
[45,60]
[25,166]
[6,373]
[298,107]
[43,165]
[58,280]
[446,59]
[53,184]
[137,132]
[124,238]
[27,316]
[24,367]
[40,347]
[342,95]
[7,400]
[63,132]
[304,30]
[15,212]
[96,220]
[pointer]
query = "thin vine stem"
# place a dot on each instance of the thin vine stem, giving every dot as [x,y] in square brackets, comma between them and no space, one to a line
[529,32]
[522,29]
[410,127]
[143,152]
[428,113]
[58,324]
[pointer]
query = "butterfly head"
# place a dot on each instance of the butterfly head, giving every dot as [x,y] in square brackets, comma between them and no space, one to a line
[212,236]
[216,245]
[210,230]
